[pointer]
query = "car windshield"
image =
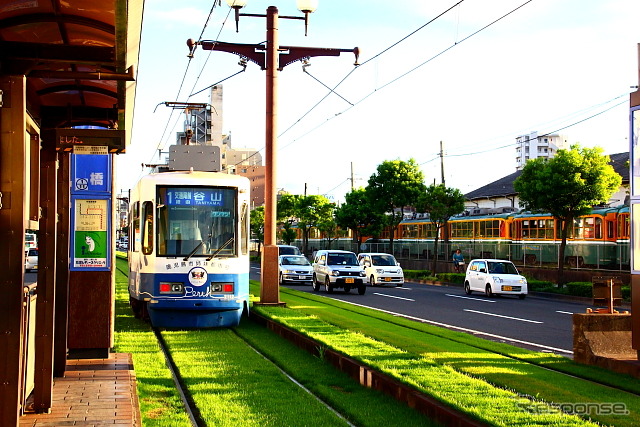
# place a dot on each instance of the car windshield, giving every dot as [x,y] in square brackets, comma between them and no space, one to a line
[502,268]
[342,259]
[294,260]
[383,260]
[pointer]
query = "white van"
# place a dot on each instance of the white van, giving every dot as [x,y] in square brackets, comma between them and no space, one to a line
[381,269]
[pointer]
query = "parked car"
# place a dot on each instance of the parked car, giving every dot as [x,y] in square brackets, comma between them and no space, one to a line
[381,269]
[294,269]
[31,260]
[494,277]
[288,250]
[338,269]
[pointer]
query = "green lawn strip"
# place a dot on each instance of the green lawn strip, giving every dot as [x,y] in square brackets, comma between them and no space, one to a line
[546,360]
[160,403]
[233,385]
[360,405]
[524,378]
[465,393]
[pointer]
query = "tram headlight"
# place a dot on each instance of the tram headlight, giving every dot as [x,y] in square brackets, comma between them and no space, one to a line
[222,287]
[171,288]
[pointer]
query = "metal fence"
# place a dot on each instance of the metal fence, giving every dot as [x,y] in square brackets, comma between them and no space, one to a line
[613,257]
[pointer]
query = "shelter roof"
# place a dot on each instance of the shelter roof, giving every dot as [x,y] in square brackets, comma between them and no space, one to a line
[78,56]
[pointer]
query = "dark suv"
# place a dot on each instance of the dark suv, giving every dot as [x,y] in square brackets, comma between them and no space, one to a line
[337,269]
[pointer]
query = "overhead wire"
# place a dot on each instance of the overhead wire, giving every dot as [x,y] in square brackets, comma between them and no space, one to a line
[162,142]
[364,63]
[456,43]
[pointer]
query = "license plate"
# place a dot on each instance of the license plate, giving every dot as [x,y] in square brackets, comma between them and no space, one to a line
[507,288]
[348,280]
[301,277]
[387,279]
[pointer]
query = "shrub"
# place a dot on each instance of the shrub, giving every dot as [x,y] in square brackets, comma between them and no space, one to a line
[580,289]
[417,274]
[451,277]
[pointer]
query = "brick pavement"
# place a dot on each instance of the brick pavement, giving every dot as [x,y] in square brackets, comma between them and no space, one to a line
[93,392]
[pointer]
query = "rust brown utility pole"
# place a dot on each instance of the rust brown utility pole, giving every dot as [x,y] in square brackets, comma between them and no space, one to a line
[270,61]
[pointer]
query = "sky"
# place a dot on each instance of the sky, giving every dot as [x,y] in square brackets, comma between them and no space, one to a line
[474,74]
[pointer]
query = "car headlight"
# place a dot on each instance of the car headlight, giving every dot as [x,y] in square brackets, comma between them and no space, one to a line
[287,271]
[335,273]
[380,270]
[497,279]
[362,273]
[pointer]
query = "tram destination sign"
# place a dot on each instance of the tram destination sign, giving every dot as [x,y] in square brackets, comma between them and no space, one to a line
[67,139]
[191,197]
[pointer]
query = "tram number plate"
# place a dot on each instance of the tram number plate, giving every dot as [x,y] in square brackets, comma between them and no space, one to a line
[387,279]
[507,288]
[348,280]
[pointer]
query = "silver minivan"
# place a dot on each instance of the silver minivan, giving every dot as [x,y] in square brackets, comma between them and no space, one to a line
[337,269]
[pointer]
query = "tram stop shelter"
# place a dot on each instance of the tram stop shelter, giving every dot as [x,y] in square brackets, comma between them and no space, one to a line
[63,65]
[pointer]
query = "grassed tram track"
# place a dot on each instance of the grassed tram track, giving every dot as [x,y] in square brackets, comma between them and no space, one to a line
[248,376]
[548,377]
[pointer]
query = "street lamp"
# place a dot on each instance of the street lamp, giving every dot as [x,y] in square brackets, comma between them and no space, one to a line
[268,57]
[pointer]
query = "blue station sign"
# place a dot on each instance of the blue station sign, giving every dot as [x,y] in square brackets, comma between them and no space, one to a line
[91,173]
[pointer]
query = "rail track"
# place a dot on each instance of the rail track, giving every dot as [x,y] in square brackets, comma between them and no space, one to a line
[195,414]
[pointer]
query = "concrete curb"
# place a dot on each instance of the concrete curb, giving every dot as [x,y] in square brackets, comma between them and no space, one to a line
[368,377]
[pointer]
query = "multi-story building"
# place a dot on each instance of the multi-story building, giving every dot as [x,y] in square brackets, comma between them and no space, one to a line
[203,146]
[533,146]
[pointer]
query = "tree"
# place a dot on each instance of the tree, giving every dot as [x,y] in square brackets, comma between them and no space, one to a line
[311,211]
[286,216]
[306,211]
[329,228]
[395,185]
[441,203]
[567,186]
[256,223]
[357,214]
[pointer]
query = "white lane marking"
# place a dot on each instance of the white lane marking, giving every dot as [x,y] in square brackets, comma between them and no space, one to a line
[563,312]
[459,328]
[471,298]
[393,296]
[256,268]
[504,317]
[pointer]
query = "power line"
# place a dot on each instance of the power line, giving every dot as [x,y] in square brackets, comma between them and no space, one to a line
[402,75]
[365,62]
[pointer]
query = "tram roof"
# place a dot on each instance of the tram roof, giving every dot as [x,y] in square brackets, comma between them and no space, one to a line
[79,58]
[195,178]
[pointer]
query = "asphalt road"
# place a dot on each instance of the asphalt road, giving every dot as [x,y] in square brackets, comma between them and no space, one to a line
[541,324]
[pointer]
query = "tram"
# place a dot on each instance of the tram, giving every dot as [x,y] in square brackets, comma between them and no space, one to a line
[189,249]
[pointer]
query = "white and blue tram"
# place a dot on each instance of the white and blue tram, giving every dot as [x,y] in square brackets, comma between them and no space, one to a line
[189,249]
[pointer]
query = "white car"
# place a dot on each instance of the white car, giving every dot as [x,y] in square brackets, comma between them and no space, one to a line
[337,269]
[381,269]
[494,277]
[294,269]
[31,260]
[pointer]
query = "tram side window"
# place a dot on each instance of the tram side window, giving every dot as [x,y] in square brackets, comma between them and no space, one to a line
[587,228]
[623,226]
[462,229]
[244,227]
[135,227]
[147,228]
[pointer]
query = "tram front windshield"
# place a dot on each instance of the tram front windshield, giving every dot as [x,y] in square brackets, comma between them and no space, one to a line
[197,221]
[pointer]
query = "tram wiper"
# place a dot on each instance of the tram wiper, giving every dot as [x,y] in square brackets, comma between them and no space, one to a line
[224,245]
[194,250]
